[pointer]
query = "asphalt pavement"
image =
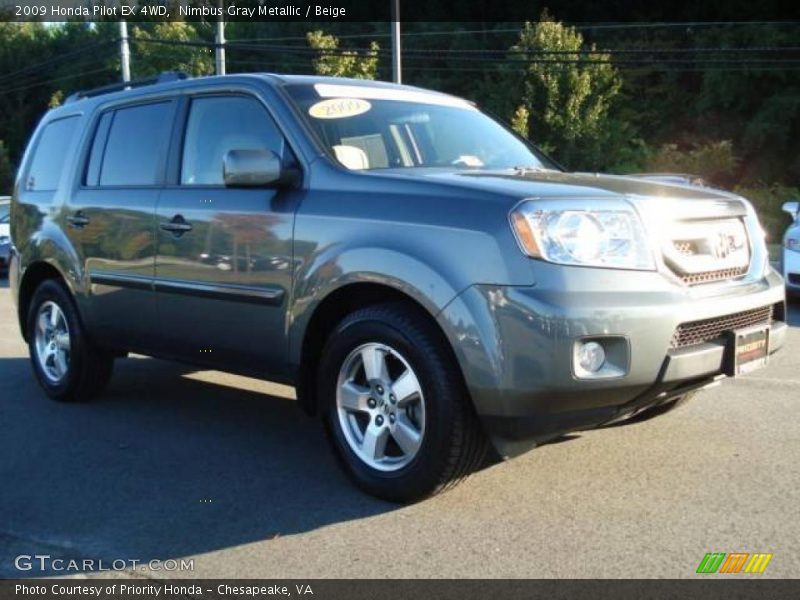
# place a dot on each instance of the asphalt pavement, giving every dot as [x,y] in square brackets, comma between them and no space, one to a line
[226,472]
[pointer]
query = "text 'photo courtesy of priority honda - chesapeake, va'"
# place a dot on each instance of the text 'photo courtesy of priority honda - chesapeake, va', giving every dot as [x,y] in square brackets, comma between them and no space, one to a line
[348,299]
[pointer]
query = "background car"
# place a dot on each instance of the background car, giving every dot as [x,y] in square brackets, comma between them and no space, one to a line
[790,259]
[5,235]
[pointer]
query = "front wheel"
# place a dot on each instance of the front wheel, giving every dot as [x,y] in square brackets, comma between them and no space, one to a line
[395,408]
[67,366]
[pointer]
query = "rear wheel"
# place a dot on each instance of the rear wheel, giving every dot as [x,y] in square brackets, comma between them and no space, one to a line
[395,409]
[67,366]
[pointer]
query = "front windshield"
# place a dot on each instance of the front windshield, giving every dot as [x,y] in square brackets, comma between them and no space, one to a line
[386,128]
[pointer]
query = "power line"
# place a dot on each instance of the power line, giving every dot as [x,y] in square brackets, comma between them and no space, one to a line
[52,80]
[529,58]
[578,25]
[731,68]
[470,54]
[55,60]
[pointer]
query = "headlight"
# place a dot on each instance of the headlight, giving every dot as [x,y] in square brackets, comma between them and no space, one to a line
[792,244]
[4,239]
[612,237]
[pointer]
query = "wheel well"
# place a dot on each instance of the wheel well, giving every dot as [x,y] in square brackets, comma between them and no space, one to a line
[34,276]
[329,313]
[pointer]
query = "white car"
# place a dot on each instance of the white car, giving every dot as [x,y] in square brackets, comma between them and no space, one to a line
[791,250]
[5,234]
[5,206]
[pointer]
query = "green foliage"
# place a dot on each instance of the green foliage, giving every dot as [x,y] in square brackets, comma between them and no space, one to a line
[6,171]
[714,161]
[56,99]
[353,64]
[36,61]
[152,58]
[596,117]
[519,121]
[568,101]
[768,200]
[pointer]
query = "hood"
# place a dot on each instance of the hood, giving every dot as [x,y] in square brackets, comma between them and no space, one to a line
[556,184]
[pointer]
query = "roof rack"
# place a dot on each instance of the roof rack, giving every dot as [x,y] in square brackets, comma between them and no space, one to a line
[164,77]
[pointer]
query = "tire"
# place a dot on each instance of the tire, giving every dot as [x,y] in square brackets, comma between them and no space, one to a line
[660,409]
[68,368]
[412,445]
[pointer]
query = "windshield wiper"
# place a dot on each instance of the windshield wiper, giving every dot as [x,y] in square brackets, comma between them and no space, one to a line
[522,170]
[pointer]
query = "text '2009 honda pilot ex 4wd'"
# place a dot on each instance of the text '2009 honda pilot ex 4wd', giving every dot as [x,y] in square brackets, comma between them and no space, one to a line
[428,281]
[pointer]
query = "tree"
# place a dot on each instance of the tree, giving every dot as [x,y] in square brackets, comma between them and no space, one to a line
[520,119]
[342,63]
[152,58]
[566,91]
[6,171]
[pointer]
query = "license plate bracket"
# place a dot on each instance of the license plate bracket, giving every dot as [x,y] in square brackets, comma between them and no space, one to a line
[748,350]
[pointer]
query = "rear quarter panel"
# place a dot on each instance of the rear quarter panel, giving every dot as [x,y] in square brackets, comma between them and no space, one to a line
[38,224]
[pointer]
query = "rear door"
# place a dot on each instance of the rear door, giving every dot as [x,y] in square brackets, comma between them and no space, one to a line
[114,212]
[224,261]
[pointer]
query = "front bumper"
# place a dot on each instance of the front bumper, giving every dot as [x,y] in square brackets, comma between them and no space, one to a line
[515,346]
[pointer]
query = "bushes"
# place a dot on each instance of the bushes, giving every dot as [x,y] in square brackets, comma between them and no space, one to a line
[768,200]
[716,163]
[713,161]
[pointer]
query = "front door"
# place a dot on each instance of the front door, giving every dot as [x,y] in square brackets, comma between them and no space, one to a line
[224,255]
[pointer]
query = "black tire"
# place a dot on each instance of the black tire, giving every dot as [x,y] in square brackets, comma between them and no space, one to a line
[660,409]
[89,368]
[453,444]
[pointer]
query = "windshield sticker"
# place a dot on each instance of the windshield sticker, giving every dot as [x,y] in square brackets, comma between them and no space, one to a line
[335,90]
[339,108]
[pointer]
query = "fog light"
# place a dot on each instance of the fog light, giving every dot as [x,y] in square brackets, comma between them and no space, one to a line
[591,356]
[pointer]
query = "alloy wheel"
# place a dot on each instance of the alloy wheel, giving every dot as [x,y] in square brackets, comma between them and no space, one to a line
[381,407]
[52,342]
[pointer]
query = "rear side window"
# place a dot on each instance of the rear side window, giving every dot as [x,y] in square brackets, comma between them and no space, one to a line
[51,152]
[133,151]
[219,124]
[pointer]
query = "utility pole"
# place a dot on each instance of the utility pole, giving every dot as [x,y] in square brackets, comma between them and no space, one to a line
[221,40]
[397,75]
[124,51]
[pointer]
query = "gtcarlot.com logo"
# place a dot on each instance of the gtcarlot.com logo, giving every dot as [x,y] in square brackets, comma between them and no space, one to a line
[46,563]
[735,562]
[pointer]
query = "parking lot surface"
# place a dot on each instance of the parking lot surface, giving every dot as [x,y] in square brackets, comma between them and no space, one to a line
[226,471]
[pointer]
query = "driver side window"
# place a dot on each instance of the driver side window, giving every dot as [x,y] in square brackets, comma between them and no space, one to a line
[221,123]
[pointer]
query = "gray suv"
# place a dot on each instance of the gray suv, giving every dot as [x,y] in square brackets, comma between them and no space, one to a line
[431,284]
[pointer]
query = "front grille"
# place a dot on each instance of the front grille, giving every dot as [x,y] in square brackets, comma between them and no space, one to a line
[697,332]
[707,251]
[684,248]
[713,276]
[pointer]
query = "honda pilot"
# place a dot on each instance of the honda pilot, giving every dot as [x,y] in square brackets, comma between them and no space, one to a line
[430,283]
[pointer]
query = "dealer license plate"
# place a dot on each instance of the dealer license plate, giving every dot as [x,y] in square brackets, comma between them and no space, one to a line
[751,349]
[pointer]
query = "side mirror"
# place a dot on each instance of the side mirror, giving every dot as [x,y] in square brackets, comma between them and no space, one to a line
[792,208]
[252,168]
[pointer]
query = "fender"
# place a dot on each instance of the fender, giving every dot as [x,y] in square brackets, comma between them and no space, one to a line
[49,245]
[333,270]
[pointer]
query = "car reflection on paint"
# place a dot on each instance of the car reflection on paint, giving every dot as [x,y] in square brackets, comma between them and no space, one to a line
[224,262]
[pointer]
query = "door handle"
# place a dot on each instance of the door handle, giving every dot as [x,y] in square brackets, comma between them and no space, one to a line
[177,225]
[78,220]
